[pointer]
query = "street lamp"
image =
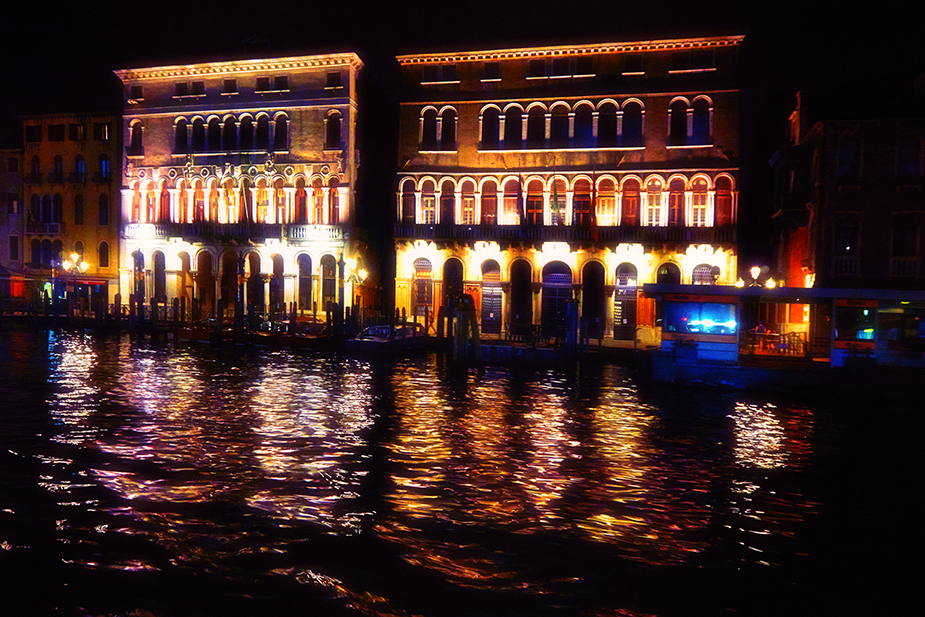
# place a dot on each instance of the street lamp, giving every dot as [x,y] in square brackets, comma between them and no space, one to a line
[756,273]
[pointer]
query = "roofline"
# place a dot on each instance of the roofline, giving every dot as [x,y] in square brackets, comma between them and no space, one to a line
[571,50]
[241,66]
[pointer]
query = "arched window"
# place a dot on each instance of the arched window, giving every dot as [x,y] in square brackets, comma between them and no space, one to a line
[703,274]
[36,169]
[247,134]
[180,145]
[629,211]
[653,203]
[626,275]
[557,202]
[632,136]
[607,126]
[557,291]
[46,209]
[558,128]
[317,202]
[584,127]
[78,209]
[428,203]
[668,274]
[724,207]
[606,203]
[332,136]
[448,130]
[301,202]
[701,122]
[277,292]
[281,134]
[36,249]
[57,169]
[512,203]
[79,249]
[909,158]
[536,127]
[489,203]
[513,128]
[468,203]
[535,203]
[447,203]
[452,278]
[429,129]
[423,297]
[849,159]
[581,203]
[677,132]
[263,133]
[199,135]
[136,145]
[676,202]
[57,204]
[491,124]
[105,173]
[408,202]
[103,255]
[699,203]
[305,282]
[215,135]
[80,169]
[229,135]
[104,210]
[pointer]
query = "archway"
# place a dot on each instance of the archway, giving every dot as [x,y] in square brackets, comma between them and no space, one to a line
[592,299]
[452,278]
[624,302]
[205,281]
[277,286]
[254,283]
[305,282]
[557,291]
[138,273]
[328,281]
[160,276]
[491,297]
[668,274]
[229,285]
[521,298]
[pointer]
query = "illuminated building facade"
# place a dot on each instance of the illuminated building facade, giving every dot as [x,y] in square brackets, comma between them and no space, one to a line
[534,176]
[70,203]
[239,184]
[12,224]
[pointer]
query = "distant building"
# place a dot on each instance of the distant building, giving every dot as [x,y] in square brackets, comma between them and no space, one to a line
[69,204]
[12,227]
[239,183]
[849,196]
[532,177]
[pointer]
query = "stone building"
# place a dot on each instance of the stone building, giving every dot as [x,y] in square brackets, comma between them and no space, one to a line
[70,204]
[531,177]
[239,184]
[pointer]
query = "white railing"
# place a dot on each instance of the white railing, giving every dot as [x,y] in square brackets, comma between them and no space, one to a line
[904,266]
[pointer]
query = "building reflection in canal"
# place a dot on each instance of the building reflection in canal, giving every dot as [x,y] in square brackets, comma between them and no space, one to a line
[503,481]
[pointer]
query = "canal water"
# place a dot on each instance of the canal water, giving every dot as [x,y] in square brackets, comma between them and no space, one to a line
[147,480]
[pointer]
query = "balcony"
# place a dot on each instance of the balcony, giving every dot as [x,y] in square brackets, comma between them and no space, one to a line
[48,229]
[904,267]
[567,233]
[218,232]
[846,266]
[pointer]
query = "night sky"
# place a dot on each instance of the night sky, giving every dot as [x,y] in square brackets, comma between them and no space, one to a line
[60,57]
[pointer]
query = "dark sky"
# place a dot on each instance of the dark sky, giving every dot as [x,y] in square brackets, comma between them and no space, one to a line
[62,57]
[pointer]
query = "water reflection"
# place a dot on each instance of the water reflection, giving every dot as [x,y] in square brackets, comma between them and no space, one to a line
[513,481]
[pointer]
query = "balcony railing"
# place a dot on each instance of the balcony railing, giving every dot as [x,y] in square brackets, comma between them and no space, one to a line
[45,228]
[904,267]
[846,266]
[229,231]
[566,233]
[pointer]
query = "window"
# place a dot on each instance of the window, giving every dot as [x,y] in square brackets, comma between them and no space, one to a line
[12,202]
[606,203]
[513,128]
[180,137]
[633,65]
[704,274]
[407,202]
[535,203]
[263,133]
[491,125]
[198,88]
[448,130]
[104,255]
[536,69]
[557,209]
[629,214]
[581,203]
[559,127]
[909,158]
[14,248]
[181,88]
[607,126]
[584,127]
[447,203]
[429,129]
[230,86]
[700,132]
[35,171]
[676,202]
[12,165]
[654,203]
[262,84]
[101,131]
[229,135]
[437,74]
[104,210]
[489,203]
[468,203]
[281,134]
[57,169]
[428,203]
[80,169]
[136,93]
[33,133]
[57,208]
[723,212]
[699,203]
[536,127]
[332,139]
[77,132]
[333,81]
[281,83]
[199,135]
[78,209]
[423,286]
[491,71]
[849,159]
[584,66]
[905,235]
[845,250]
[55,132]
[632,136]
[677,133]
[511,205]
[214,134]
[136,145]
[561,67]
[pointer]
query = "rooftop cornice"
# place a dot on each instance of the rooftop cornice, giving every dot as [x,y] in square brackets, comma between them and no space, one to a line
[573,50]
[235,67]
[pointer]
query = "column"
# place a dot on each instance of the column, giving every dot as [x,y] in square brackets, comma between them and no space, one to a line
[190,205]
[617,207]
[688,208]
[127,197]
[568,206]
[663,215]
[418,214]
[325,191]
[438,214]
[457,206]
[143,206]
[343,203]
[222,206]
[547,208]
[174,205]
[478,207]
[254,205]
[571,127]
[710,218]
[290,204]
